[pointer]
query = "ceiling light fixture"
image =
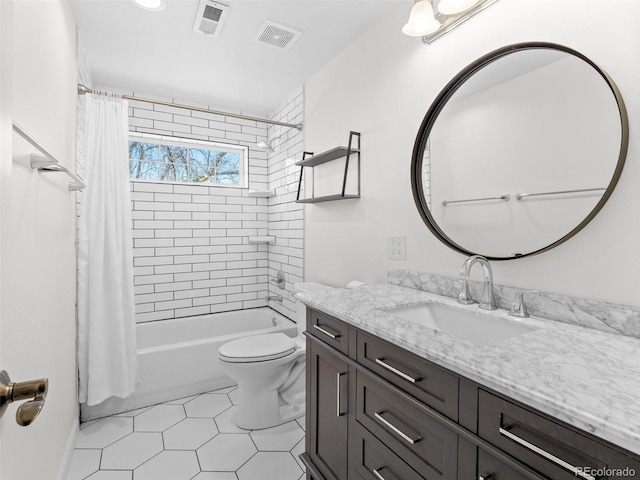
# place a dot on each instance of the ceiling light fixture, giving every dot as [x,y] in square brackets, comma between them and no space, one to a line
[421,20]
[152,5]
[431,19]
[451,7]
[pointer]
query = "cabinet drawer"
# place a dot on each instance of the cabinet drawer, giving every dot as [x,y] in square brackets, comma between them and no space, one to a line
[424,443]
[490,468]
[374,461]
[546,446]
[330,330]
[425,381]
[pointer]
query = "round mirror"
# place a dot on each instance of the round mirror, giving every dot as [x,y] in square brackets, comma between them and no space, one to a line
[519,151]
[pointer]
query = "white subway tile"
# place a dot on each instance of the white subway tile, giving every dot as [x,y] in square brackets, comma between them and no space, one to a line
[226,273]
[191,293]
[239,297]
[209,216]
[141,215]
[173,286]
[142,289]
[226,307]
[191,189]
[211,249]
[148,279]
[172,216]
[152,206]
[195,224]
[163,251]
[191,207]
[190,259]
[210,300]
[225,290]
[144,307]
[150,114]
[161,269]
[154,297]
[210,232]
[199,122]
[152,224]
[143,252]
[183,242]
[172,197]
[153,316]
[243,264]
[170,305]
[145,261]
[173,233]
[152,187]
[201,267]
[246,280]
[214,282]
[181,277]
[195,310]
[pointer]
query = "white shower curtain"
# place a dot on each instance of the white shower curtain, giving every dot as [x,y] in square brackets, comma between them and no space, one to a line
[106,310]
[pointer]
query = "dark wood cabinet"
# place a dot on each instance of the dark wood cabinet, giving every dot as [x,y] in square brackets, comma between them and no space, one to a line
[327,411]
[378,412]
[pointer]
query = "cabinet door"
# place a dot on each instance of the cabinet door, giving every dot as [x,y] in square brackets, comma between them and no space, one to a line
[327,411]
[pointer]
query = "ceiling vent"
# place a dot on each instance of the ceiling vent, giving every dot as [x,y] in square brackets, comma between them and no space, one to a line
[277,36]
[210,18]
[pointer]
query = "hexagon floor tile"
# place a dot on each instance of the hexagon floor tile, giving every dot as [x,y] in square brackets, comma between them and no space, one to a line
[266,465]
[192,438]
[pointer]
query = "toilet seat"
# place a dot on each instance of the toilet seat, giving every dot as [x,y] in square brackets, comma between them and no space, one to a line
[257,348]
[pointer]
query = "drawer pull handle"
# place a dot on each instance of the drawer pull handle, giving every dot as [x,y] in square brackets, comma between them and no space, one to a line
[486,476]
[406,376]
[412,439]
[504,431]
[339,411]
[326,332]
[376,472]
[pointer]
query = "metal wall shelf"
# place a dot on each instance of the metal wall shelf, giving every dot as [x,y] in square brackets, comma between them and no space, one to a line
[311,160]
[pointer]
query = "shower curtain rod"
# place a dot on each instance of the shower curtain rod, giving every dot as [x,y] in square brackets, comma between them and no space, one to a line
[298,126]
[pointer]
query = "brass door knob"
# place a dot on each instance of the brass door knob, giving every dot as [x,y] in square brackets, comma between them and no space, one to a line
[34,390]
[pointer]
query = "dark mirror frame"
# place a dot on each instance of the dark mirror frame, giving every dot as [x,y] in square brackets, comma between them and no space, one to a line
[444,96]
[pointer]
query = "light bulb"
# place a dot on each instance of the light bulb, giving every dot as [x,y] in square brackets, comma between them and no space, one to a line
[451,7]
[421,20]
[154,5]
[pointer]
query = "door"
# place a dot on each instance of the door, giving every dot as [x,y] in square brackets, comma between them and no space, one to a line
[328,410]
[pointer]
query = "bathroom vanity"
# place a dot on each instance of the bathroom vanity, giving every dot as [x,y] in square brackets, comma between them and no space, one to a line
[390,398]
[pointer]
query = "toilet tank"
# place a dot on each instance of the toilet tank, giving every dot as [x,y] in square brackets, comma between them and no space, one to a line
[301,308]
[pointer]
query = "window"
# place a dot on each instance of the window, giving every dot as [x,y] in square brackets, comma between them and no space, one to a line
[156,158]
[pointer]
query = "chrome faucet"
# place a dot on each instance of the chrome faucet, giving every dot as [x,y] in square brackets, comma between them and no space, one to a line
[486,302]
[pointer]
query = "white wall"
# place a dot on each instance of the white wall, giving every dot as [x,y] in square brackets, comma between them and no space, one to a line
[38,236]
[383,84]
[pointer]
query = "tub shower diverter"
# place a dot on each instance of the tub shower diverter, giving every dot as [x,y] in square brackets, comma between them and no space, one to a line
[471,325]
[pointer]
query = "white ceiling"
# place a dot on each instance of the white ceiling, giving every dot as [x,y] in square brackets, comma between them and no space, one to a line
[158,53]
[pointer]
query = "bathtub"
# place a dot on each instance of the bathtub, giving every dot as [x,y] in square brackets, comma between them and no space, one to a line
[179,357]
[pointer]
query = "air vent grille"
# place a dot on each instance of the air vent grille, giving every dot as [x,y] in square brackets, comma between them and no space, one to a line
[210,17]
[277,36]
[212,13]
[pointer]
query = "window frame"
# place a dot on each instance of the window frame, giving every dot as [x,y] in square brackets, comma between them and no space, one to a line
[243,167]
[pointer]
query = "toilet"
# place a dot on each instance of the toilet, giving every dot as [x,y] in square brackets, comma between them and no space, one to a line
[270,371]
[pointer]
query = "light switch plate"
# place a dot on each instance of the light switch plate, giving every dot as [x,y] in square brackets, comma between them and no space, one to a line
[397,248]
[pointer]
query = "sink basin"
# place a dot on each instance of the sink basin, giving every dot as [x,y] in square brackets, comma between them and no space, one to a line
[464,324]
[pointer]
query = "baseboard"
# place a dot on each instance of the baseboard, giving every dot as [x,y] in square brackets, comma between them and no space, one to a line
[65,463]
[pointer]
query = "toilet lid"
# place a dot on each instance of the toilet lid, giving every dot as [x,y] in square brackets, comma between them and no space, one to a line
[258,348]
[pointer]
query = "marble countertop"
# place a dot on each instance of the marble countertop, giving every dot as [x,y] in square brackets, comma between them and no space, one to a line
[588,378]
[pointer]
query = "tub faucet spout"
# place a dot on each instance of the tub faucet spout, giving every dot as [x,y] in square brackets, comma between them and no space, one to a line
[274,298]
[487,301]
